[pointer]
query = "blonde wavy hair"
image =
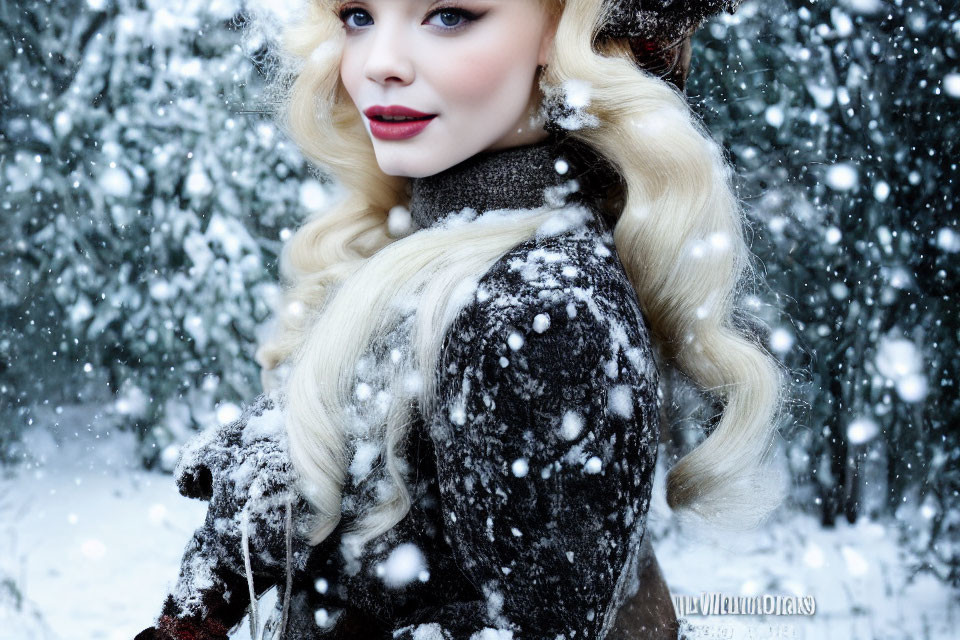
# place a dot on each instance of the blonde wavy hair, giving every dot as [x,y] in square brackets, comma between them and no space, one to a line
[679,234]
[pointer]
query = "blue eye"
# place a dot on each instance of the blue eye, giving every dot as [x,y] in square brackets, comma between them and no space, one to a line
[364,18]
[451,18]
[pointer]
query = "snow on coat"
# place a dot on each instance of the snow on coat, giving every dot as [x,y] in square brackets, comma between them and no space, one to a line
[533,478]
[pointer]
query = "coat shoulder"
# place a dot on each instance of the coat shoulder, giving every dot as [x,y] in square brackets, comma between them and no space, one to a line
[570,277]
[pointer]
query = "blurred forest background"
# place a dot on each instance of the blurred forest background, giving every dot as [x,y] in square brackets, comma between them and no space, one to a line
[145,195]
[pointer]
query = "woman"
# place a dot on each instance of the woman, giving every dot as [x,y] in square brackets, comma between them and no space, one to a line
[459,433]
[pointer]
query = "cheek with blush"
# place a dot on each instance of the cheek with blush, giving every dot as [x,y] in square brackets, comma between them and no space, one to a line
[475,77]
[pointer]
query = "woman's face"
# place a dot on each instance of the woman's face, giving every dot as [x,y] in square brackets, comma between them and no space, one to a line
[469,65]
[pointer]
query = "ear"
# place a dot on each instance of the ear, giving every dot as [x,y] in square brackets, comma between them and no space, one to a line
[546,41]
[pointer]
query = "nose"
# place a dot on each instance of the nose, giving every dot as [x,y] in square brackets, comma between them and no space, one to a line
[387,60]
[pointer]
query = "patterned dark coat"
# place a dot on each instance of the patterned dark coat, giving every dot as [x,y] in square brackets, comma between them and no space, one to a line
[532,481]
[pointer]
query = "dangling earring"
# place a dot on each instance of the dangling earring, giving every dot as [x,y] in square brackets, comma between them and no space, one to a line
[536,116]
[541,69]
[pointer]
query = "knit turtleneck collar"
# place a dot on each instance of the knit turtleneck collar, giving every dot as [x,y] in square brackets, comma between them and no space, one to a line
[513,178]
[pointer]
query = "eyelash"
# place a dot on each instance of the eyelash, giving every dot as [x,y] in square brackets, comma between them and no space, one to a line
[468,17]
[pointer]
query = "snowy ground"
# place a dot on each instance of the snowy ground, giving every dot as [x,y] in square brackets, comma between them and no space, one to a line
[89,546]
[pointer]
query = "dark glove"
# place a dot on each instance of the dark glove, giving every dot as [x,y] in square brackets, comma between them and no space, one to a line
[240,471]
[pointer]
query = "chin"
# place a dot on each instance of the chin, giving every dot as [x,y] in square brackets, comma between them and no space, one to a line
[411,163]
[392,167]
[401,170]
[432,151]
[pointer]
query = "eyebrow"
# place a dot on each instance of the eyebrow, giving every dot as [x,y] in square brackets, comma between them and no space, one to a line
[342,2]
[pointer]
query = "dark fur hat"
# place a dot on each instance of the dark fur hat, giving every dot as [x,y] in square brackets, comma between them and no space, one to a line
[661,19]
[659,31]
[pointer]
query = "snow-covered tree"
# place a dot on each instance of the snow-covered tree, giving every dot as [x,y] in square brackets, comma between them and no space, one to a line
[144,201]
[842,120]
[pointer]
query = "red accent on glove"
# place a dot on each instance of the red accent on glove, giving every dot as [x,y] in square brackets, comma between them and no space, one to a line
[173,628]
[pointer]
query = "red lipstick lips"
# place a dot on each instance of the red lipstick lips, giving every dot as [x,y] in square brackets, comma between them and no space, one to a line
[397,129]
